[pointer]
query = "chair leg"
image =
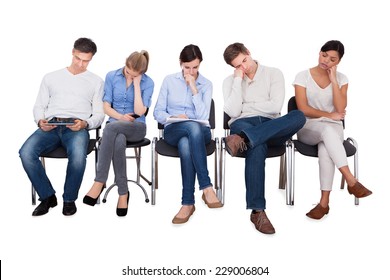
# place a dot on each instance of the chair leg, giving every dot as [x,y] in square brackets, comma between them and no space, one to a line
[282,172]
[33,195]
[355,166]
[107,192]
[137,152]
[342,182]
[96,160]
[221,191]
[217,169]
[290,170]
[154,171]
[137,157]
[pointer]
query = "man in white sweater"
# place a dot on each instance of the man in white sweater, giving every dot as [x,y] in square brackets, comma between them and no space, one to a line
[253,98]
[70,95]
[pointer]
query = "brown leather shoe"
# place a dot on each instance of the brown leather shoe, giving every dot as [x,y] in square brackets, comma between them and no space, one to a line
[217,204]
[318,212]
[177,220]
[234,143]
[261,222]
[358,190]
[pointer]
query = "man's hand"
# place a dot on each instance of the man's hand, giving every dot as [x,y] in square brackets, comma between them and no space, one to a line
[78,125]
[45,126]
[238,73]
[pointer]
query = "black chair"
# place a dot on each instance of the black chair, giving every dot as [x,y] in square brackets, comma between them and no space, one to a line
[137,156]
[60,152]
[350,145]
[283,151]
[160,147]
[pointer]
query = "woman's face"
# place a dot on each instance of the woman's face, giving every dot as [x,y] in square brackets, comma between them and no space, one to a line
[328,59]
[130,73]
[191,68]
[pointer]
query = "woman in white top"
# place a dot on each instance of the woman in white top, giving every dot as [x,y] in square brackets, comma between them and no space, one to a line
[321,94]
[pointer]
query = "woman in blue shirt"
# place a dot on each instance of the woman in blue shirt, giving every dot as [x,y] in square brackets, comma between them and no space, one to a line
[127,97]
[187,96]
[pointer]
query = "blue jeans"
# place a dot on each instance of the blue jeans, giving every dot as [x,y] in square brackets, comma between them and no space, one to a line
[76,145]
[262,132]
[191,139]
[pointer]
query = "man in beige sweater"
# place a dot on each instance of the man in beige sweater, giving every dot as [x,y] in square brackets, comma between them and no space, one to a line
[253,98]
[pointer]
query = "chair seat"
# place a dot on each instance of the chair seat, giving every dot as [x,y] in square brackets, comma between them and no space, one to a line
[163,148]
[312,151]
[142,143]
[60,152]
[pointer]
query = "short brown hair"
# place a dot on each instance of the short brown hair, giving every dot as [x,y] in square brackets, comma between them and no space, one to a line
[232,51]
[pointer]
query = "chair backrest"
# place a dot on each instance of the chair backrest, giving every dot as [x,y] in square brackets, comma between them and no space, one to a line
[226,119]
[211,117]
[292,104]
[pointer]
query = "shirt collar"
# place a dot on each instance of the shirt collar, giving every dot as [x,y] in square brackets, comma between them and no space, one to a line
[257,74]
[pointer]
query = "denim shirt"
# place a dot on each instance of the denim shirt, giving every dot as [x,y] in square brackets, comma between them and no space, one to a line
[176,98]
[122,99]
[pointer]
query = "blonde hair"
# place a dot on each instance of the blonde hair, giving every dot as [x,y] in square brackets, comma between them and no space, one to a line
[138,61]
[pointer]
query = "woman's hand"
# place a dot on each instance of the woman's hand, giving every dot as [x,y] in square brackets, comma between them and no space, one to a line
[190,80]
[332,74]
[137,80]
[182,116]
[127,117]
[336,116]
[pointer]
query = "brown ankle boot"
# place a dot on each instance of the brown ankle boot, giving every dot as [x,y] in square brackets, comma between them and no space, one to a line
[234,144]
[262,223]
[358,190]
[318,212]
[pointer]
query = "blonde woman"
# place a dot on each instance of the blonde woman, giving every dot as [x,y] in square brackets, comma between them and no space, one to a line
[127,97]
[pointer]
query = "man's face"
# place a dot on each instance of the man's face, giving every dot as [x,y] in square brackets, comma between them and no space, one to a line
[243,62]
[80,61]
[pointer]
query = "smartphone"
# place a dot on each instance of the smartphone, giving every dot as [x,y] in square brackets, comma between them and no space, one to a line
[135,116]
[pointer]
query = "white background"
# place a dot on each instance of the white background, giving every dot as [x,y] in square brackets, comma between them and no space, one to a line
[351,242]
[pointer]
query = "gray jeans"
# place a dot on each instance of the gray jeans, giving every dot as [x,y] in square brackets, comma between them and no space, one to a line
[113,147]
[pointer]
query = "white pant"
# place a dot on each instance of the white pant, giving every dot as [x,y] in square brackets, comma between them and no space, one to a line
[329,135]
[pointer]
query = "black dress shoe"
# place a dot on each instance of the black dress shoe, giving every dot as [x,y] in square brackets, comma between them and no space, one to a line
[69,208]
[92,201]
[121,212]
[45,205]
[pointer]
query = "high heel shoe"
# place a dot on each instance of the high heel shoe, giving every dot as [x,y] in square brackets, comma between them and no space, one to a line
[121,212]
[92,201]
